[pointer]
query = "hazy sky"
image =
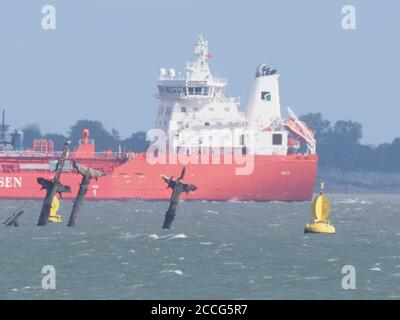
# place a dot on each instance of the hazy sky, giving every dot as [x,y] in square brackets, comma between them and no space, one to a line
[102,60]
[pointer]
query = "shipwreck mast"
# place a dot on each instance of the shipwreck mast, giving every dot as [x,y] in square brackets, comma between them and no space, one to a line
[52,187]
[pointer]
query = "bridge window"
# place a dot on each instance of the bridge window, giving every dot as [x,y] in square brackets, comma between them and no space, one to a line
[277,139]
[206,124]
[176,90]
[198,91]
[183,109]
[241,138]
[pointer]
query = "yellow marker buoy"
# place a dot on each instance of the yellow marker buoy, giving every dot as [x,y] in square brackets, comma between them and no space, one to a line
[320,208]
[55,206]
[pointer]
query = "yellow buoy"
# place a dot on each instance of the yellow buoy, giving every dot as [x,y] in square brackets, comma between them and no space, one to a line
[320,209]
[55,206]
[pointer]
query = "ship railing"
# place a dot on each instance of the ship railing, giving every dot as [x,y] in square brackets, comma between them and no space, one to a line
[218,80]
[108,155]
[177,77]
[24,154]
[57,154]
[214,80]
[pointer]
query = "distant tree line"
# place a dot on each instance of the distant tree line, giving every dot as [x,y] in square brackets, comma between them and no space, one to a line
[338,144]
[104,139]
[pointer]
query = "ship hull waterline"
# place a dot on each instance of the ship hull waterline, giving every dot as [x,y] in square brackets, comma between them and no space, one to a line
[274,178]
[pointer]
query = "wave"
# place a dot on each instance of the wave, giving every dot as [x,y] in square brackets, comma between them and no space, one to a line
[353,201]
[127,235]
[375,269]
[168,236]
[206,243]
[212,211]
[310,278]
[333,259]
[42,238]
[179,272]
[178,236]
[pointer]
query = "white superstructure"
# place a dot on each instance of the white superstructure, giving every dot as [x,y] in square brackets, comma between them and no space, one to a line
[196,114]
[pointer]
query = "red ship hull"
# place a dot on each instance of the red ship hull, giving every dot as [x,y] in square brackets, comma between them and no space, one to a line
[283,178]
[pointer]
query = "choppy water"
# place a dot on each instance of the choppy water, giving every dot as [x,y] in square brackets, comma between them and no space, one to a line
[231,250]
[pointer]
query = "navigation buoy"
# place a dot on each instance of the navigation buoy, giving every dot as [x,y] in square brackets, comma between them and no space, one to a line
[55,206]
[320,209]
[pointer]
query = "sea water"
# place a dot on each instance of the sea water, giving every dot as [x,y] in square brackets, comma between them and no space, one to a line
[214,250]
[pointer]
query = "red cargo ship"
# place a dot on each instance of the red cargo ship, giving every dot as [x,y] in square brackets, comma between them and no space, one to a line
[229,155]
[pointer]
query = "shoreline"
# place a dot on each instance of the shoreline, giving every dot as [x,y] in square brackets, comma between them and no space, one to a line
[357,182]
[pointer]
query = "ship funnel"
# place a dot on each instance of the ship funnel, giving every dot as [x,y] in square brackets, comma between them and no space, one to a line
[85,134]
[3,126]
[86,148]
[260,69]
[264,104]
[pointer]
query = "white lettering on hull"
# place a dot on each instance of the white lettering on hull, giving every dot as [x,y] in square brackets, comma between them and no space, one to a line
[10,182]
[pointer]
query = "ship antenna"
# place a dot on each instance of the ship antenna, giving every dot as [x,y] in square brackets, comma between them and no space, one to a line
[3,127]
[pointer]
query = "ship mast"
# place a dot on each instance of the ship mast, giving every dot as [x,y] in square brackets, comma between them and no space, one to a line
[3,126]
[198,68]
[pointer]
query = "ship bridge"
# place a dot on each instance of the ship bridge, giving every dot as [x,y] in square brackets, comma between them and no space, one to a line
[198,82]
[196,98]
[195,113]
